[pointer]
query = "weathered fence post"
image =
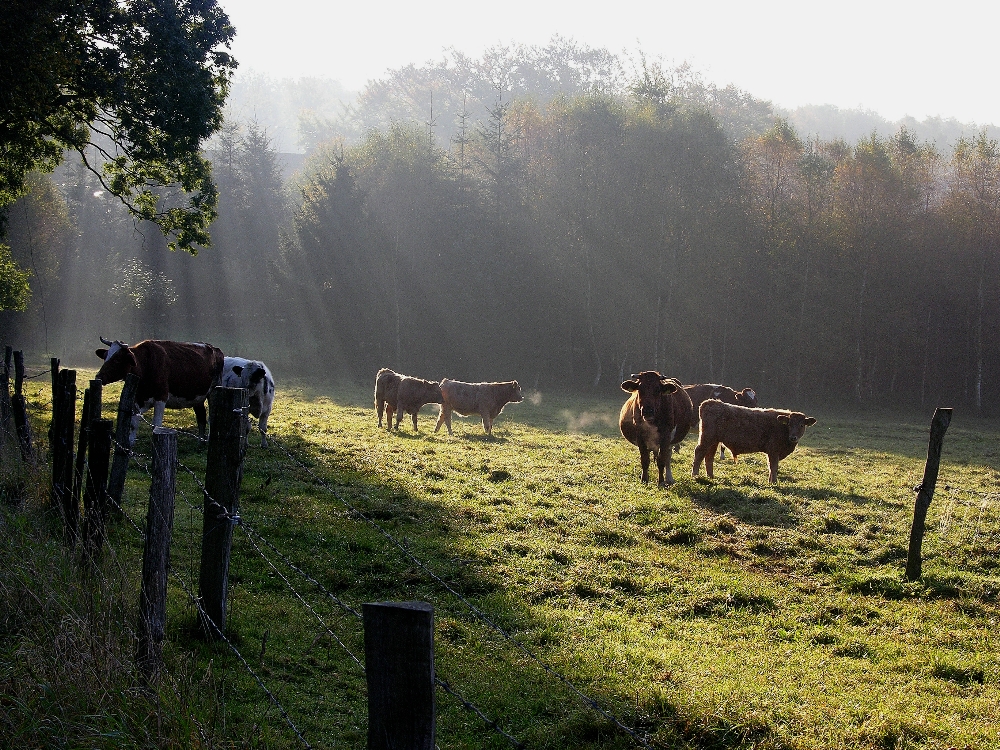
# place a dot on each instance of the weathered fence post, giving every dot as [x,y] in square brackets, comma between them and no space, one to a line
[156,553]
[63,423]
[95,496]
[123,428]
[6,429]
[91,411]
[399,668]
[19,407]
[54,369]
[925,492]
[227,444]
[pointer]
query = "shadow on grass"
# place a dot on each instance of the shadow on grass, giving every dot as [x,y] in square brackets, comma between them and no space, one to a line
[359,563]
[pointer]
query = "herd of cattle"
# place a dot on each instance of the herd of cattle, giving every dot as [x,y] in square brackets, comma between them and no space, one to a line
[655,418]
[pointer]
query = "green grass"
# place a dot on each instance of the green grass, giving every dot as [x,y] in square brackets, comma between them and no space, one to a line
[725,613]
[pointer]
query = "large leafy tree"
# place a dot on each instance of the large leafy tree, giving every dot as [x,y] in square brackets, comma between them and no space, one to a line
[134,86]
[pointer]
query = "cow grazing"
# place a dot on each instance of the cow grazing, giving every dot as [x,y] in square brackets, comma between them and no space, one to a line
[656,416]
[257,379]
[386,388]
[775,432]
[485,399]
[701,393]
[411,394]
[171,374]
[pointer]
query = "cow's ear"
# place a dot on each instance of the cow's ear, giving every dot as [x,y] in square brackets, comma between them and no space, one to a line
[102,353]
[667,386]
[238,369]
[810,421]
[630,385]
[784,418]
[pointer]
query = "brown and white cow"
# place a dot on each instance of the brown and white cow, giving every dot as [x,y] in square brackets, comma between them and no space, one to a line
[171,374]
[775,432]
[386,388]
[411,394]
[484,399]
[656,416]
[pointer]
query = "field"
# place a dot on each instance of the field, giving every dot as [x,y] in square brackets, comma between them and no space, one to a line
[725,613]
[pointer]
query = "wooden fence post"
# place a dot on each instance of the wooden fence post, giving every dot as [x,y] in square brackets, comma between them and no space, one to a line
[63,423]
[156,553]
[54,369]
[6,425]
[95,496]
[91,411]
[19,407]
[399,669]
[227,445]
[123,428]
[925,492]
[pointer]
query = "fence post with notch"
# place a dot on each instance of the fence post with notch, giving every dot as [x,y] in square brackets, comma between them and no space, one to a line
[156,553]
[227,445]
[925,492]
[95,496]
[399,669]
[91,411]
[123,429]
[63,424]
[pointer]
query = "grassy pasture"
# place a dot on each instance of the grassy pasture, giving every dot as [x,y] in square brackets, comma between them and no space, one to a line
[725,613]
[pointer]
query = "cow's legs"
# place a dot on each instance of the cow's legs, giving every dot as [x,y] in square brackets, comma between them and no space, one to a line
[158,408]
[201,417]
[379,406]
[488,424]
[262,426]
[644,462]
[444,417]
[663,466]
[415,421]
[399,415]
[772,463]
[706,452]
[710,460]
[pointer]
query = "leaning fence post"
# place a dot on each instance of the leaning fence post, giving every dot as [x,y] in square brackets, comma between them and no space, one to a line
[19,407]
[123,428]
[399,669]
[156,553]
[63,423]
[95,496]
[5,413]
[227,444]
[925,491]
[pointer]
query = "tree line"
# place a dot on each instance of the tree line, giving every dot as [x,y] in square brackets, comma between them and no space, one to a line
[566,242]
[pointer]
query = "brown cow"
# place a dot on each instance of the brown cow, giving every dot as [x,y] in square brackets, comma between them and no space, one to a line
[386,387]
[700,393]
[775,432]
[656,416]
[411,394]
[171,374]
[485,399]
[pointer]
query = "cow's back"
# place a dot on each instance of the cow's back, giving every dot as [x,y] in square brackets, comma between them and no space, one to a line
[743,429]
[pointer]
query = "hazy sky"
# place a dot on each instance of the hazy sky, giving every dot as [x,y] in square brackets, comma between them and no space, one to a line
[896,58]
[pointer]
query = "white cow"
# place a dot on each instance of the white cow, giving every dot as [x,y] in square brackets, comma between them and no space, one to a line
[256,378]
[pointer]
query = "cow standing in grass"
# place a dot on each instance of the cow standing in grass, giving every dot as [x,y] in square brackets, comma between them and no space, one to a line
[656,416]
[257,379]
[775,432]
[703,392]
[172,374]
[485,399]
[411,394]
[386,388]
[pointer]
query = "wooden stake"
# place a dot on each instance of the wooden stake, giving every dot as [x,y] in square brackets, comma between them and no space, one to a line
[925,492]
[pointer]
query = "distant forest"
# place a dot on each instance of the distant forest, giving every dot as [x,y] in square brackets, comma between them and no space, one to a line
[563,217]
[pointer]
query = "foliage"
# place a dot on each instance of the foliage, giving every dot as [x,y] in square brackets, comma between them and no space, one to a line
[133,87]
[14,290]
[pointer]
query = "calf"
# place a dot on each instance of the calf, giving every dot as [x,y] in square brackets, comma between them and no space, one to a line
[485,399]
[656,416]
[775,432]
[256,378]
[172,374]
[386,388]
[411,394]
[701,393]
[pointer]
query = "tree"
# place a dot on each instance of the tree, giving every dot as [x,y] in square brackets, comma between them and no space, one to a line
[134,86]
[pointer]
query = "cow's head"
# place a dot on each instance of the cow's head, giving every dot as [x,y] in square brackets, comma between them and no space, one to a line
[747,397]
[515,393]
[118,359]
[797,423]
[649,386]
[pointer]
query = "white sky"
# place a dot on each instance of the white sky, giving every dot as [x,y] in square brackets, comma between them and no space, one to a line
[895,58]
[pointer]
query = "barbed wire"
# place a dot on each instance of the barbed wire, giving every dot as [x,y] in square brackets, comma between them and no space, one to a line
[482,616]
